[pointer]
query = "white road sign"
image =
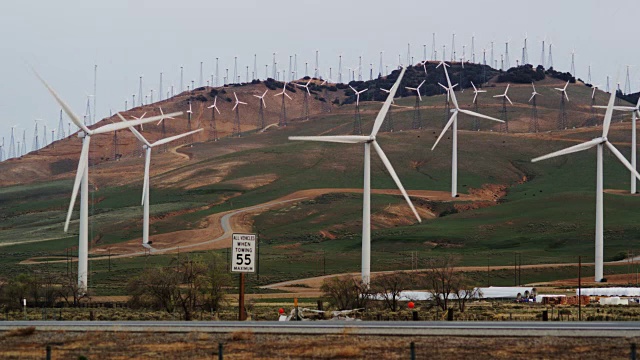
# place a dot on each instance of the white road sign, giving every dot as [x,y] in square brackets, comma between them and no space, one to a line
[243,253]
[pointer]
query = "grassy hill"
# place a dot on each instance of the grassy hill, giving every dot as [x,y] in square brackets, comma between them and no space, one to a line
[547,214]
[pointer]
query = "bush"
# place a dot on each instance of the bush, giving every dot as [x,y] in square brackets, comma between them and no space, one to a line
[346,293]
[525,74]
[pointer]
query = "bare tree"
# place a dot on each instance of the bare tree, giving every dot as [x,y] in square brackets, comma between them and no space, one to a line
[446,284]
[187,286]
[438,279]
[389,286]
[346,293]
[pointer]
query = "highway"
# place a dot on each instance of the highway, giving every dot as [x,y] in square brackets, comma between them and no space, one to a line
[401,328]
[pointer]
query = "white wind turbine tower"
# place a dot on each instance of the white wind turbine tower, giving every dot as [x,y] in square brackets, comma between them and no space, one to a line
[213,128]
[453,122]
[147,146]
[163,117]
[357,121]
[388,125]
[417,119]
[533,124]
[635,110]
[236,124]
[24,141]
[82,181]
[283,109]
[12,144]
[594,120]
[505,98]
[475,104]
[562,116]
[307,94]
[263,106]
[36,142]
[368,141]
[599,143]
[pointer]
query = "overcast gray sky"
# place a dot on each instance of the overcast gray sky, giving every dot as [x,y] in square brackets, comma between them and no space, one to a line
[126,39]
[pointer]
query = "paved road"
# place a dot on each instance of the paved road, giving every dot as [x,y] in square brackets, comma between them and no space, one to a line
[412,328]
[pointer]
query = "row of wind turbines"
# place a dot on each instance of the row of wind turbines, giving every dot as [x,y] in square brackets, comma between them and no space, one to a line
[81,179]
[371,140]
[355,72]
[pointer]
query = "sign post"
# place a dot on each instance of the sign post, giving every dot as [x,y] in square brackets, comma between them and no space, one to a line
[243,260]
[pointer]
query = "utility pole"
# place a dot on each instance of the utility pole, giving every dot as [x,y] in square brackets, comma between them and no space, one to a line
[580,288]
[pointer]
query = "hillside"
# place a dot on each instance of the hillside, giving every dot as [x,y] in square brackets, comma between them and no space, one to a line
[58,160]
[543,211]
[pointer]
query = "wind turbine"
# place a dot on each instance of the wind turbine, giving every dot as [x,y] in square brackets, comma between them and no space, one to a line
[533,124]
[357,122]
[162,118]
[307,94]
[236,123]
[212,125]
[189,114]
[147,146]
[600,143]
[505,98]
[82,178]
[417,119]
[12,144]
[594,119]
[140,118]
[36,142]
[369,141]
[263,106]
[562,117]
[475,104]
[635,110]
[453,122]
[283,109]
[388,125]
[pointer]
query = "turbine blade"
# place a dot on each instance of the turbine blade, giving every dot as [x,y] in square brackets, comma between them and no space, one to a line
[395,178]
[147,163]
[135,132]
[172,138]
[287,95]
[475,96]
[571,149]
[566,96]
[382,114]
[508,99]
[608,115]
[446,127]
[473,113]
[619,108]
[120,126]
[75,118]
[622,159]
[344,139]
[82,166]
[532,96]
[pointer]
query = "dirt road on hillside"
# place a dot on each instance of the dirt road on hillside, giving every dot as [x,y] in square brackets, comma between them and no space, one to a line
[218,228]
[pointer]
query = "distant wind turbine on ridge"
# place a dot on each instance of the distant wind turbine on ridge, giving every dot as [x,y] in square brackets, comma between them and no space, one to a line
[453,122]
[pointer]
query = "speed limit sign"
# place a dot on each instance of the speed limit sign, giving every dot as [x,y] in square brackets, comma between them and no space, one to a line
[243,254]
